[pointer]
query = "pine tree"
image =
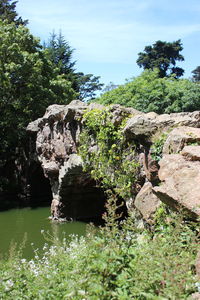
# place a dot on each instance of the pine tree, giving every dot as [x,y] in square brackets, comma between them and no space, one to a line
[8,12]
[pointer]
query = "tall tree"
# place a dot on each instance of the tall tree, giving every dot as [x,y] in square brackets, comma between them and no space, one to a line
[87,85]
[61,55]
[28,84]
[162,55]
[8,12]
[196,74]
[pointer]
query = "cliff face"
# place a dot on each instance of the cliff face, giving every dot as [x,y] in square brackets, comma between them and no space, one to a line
[174,180]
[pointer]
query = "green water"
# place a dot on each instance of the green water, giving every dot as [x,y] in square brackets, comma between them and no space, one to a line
[25,225]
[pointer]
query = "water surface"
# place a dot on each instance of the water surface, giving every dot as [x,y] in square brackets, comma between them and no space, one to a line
[20,225]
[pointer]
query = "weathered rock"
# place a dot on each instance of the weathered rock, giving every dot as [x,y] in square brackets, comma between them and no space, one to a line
[149,166]
[195,296]
[57,143]
[179,137]
[33,126]
[145,125]
[179,186]
[191,152]
[147,202]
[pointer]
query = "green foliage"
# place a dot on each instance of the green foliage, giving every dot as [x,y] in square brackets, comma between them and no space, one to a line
[196,74]
[111,161]
[157,147]
[8,12]
[162,55]
[125,263]
[28,84]
[60,54]
[148,92]
[87,85]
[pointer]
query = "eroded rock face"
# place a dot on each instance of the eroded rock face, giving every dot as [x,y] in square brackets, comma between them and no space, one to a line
[174,181]
[147,202]
[179,186]
[143,126]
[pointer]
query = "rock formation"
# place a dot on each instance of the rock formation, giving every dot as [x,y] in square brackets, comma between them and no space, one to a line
[174,180]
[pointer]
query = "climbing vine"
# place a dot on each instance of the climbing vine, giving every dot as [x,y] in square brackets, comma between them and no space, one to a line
[106,154]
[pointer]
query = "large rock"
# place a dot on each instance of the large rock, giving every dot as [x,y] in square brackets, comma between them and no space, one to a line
[179,186]
[145,125]
[147,202]
[179,137]
[75,194]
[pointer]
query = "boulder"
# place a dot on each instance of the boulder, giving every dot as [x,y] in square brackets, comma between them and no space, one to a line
[146,125]
[179,137]
[147,202]
[179,186]
[191,152]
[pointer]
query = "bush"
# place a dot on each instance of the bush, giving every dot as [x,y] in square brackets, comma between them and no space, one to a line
[148,92]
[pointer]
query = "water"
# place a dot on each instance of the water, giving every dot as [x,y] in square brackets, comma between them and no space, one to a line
[20,225]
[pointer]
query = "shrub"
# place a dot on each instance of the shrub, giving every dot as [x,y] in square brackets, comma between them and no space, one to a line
[148,92]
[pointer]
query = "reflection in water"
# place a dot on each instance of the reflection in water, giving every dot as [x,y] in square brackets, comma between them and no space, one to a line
[24,226]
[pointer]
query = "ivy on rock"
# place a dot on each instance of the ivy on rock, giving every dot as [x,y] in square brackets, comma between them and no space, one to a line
[108,157]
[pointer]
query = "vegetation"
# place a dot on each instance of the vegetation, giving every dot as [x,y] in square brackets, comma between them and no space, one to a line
[113,263]
[163,56]
[8,12]
[196,74]
[60,53]
[28,84]
[157,147]
[112,162]
[31,78]
[148,92]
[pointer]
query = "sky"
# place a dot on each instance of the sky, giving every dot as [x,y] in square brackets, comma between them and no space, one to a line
[107,35]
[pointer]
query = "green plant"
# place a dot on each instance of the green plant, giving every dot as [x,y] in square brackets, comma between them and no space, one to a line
[106,155]
[113,263]
[148,92]
[157,147]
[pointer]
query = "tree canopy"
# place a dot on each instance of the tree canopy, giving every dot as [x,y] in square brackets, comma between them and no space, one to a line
[148,92]
[163,56]
[28,84]
[8,12]
[60,54]
[196,74]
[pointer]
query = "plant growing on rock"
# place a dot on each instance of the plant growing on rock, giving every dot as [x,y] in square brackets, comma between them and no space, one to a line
[106,154]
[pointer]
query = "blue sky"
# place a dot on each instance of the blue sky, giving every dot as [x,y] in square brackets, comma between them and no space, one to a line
[108,34]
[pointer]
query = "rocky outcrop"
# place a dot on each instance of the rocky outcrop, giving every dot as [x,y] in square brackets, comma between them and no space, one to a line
[174,180]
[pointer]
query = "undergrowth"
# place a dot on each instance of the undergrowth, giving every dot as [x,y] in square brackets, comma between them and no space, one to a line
[120,261]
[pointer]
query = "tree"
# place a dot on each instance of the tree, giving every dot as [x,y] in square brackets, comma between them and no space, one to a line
[148,92]
[8,12]
[162,55]
[61,55]
[110,86]
[28,84]
[196,74]
[87,85]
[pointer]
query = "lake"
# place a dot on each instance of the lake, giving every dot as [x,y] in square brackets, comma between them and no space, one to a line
[18,225]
